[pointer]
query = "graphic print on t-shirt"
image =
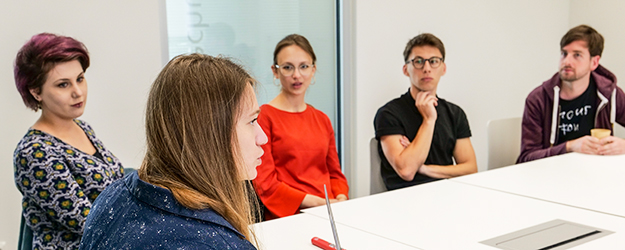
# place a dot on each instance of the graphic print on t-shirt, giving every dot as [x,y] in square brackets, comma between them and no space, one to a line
[577,116]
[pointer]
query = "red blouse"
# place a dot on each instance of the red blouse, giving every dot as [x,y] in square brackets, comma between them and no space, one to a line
[299,158]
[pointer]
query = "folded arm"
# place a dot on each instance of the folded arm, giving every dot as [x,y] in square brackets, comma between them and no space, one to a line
[465,162]
[406,161]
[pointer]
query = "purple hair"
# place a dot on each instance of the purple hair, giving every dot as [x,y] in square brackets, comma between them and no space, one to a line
[38,56]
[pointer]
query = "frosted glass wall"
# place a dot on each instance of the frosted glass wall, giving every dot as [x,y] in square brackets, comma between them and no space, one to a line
[249,30]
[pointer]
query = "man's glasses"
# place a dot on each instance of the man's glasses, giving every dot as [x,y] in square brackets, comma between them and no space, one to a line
[419,62]
[288,70]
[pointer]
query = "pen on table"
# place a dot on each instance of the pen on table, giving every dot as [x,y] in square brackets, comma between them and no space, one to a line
[323,244]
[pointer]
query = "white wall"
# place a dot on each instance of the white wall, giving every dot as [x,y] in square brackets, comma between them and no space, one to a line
[124,41]
[606,16]
[496,53]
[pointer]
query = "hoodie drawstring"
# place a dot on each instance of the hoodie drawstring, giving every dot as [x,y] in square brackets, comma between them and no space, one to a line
[613,108]
[554,118]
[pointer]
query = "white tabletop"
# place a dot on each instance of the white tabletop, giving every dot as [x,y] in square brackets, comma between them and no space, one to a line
[590,182]
[295,232]
[451,215]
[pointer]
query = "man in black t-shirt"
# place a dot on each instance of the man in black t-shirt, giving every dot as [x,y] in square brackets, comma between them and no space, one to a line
[420,135]
[577,116]
[584,96]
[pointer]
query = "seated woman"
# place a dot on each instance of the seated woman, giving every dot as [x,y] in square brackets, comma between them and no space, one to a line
[203,142]
[301,154]
[60,165]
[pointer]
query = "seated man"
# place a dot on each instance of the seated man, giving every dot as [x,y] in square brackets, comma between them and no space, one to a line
[420,135]
[583,95]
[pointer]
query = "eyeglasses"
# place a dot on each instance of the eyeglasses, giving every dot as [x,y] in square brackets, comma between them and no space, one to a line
[288,70]
[418,62]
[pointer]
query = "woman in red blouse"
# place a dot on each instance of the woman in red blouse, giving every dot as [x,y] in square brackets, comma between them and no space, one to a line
[301,155]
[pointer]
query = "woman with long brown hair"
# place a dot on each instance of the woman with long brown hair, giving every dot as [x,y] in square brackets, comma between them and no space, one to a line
[203,142]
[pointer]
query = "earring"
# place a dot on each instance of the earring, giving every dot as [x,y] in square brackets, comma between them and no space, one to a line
[274,82]
[314,81]
[38,104]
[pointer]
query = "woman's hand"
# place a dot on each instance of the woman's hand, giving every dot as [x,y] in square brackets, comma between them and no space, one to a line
[341,197]
[312,201]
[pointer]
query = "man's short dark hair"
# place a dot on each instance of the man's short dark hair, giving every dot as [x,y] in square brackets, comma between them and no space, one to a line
[585,33]
[424,39]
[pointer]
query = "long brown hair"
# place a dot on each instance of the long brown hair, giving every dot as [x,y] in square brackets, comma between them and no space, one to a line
[191,114]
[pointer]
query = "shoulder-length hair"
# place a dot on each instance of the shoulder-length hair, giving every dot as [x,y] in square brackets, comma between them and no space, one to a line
[192,149]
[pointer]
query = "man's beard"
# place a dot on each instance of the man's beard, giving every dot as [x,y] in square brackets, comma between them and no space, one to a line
[569,77]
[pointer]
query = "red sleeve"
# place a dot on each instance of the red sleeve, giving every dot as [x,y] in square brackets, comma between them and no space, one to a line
[337,178]
[279,198]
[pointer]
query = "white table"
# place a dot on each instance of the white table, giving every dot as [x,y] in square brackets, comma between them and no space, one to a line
[452,215]
[295,232]
[590,182]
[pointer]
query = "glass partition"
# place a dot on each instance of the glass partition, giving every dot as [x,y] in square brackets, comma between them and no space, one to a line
[248,30]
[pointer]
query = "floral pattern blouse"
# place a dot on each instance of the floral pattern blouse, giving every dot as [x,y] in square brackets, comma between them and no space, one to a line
[59,183]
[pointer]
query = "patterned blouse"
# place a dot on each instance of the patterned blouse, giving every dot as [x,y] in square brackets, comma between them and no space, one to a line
[59,183]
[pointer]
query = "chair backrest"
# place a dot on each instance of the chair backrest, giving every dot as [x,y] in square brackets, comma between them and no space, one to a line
[377,184]
[128,170]
[504,142]
[619,131]
[25,241]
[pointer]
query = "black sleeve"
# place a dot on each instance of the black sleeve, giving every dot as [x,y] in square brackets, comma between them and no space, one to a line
[462,129]
[386,122]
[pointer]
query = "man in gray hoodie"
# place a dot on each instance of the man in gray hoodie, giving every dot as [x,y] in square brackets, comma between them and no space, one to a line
[583,95]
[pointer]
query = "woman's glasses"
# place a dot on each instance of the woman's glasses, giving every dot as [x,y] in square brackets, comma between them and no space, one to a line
[288,70]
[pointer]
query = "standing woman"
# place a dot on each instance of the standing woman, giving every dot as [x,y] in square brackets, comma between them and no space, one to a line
[301,155]
[60,165]
[203,142]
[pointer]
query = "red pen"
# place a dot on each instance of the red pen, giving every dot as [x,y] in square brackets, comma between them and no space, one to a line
[323,244]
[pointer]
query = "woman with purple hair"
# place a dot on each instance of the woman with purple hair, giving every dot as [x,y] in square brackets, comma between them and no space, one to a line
[60,165]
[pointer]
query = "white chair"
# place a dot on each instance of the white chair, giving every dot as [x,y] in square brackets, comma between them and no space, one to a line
[619,131]
[377,184]
[504,142]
